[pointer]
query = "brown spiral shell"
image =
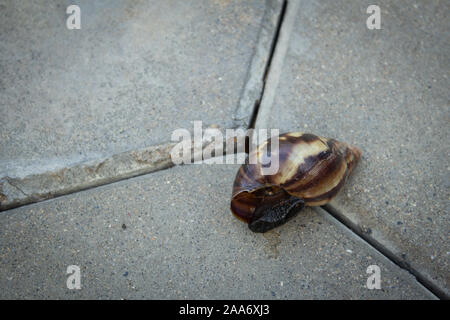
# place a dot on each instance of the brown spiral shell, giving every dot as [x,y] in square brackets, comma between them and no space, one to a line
[311,168]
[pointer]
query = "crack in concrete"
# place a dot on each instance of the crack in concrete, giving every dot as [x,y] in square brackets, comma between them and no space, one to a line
[9,180]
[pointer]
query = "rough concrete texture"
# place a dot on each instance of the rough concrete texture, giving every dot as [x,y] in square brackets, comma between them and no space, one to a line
[134,72]
[170,234]
[385,91]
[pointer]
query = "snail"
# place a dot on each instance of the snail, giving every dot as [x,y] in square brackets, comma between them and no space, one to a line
[311,172]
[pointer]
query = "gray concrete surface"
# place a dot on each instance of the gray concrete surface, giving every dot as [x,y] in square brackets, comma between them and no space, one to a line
[80,108]
[134,72]
[170,234]
[386,91]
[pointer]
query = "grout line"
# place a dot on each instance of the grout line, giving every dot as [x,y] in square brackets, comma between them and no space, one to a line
[51,184]
[254,83]
[88,175]
[423,280]
[274,43]
[344,228]
[276,36]
[273,75]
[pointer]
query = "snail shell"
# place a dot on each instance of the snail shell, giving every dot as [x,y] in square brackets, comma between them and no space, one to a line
[311,172]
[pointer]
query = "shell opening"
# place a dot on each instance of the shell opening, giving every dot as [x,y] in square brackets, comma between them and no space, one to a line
[265,208]
[269,216]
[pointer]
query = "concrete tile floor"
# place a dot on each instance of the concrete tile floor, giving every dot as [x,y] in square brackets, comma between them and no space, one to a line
[170,234]
[69,97]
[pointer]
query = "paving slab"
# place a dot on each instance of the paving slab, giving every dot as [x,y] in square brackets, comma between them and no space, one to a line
[170,234]
[385,91]
[134,72]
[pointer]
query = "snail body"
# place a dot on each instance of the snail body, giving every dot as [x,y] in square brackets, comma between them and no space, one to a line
[311,172]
